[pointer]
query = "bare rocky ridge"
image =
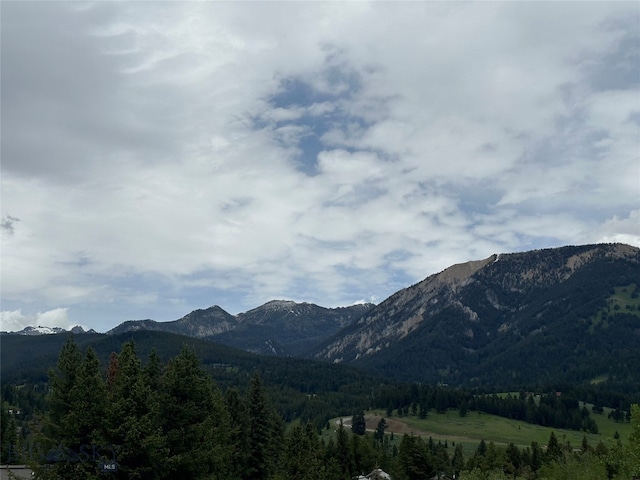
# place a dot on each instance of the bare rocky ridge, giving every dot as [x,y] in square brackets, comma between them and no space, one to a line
[403,312]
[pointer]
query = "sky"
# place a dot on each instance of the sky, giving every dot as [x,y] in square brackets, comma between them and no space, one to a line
[159,157]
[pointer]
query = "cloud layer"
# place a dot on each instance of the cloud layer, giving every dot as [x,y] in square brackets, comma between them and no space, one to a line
[160,157]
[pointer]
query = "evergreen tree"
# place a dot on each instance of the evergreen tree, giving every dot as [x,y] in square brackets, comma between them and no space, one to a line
[61,399]
[414,460]
[133,418]
[536,456]
[343,453]
[513,460]
[8,437]
[73,426]
[195,421]
[358,424]
[380,428]
[258,462]
[458,460]
[554,451]
[464,408]
[238,433]
[302,454]
[152,372]
[493,457]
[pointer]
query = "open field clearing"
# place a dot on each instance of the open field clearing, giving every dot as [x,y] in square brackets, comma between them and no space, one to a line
[475,427]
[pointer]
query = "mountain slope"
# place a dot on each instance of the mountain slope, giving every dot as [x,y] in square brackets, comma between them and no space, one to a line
[197,324]
[283,327]
[521,317]
[279,327]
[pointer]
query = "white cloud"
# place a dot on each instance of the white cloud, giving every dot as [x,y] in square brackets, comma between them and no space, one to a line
[15,320]
[166,156]
[621,230]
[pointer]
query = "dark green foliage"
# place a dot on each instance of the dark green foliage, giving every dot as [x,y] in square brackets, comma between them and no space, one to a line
[380,428]
[414,459]
[77,402]
[457,462]
[358,424]
[303,454]
[173,422]
[155,424]
[133,417]
[238,433]
[554,451]
[258,461]
[8,436]
[343,453]
[194,420]
[297,388]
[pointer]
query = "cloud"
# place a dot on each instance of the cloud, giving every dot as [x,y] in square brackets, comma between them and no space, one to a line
[621,230]
[162,158]
[7,224]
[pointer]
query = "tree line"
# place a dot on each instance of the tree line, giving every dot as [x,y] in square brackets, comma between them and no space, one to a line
[551,409]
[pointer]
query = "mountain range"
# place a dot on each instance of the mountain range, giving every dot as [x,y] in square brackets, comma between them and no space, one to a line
[279,327]
[43,330]
[569,314]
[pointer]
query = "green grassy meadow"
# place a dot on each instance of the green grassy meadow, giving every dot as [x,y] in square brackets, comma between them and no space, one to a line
[472,428]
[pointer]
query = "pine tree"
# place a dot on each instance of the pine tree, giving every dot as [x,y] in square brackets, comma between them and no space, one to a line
[554,451]
[302,454]
[257,461]
[343,453]
[73,426]
[195,421]
[238,433]
[380,428]
[8,437]
[536,456]
[414,460]
[514,459]
[133,418]
[152,372]
[358,424]
[458,460]
[62,383]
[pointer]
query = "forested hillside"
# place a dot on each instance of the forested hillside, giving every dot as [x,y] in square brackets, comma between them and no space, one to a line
[147,418]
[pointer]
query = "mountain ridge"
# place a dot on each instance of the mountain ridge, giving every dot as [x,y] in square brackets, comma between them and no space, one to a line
[278,327]
[445,327]
[569,314]
[31,330]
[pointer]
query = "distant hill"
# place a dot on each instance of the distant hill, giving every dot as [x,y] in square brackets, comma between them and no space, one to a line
[568,314]
[279,327]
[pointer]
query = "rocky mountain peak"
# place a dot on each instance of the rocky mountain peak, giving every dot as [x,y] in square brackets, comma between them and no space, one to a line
[279,305]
